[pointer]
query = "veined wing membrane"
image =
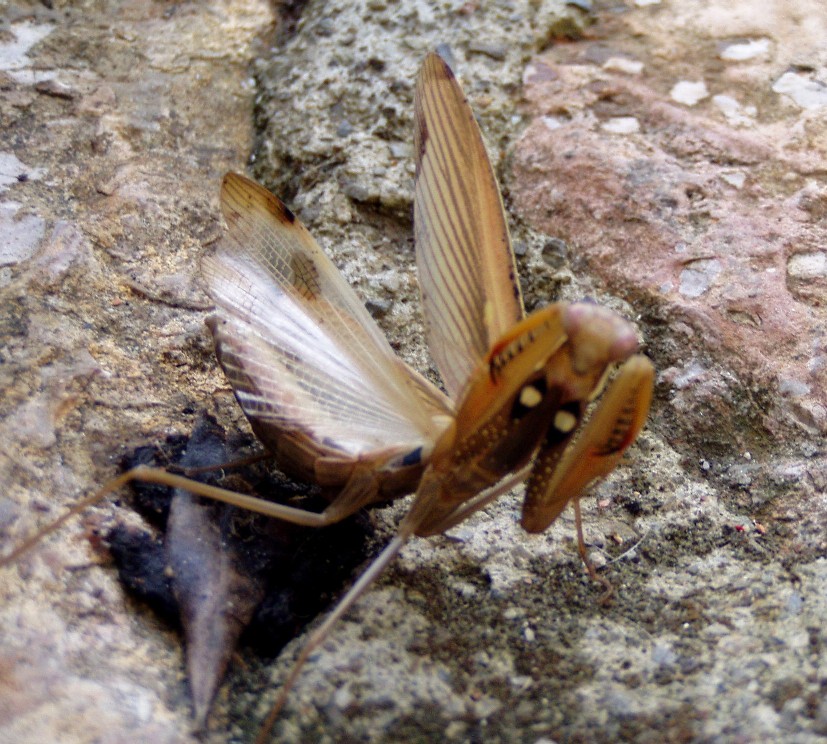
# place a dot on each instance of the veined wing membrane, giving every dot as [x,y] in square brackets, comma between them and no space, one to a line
[468,279]
[298,345]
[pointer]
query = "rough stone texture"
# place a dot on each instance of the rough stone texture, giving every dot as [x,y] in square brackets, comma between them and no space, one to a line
[717,221]
[704,222]
[117,121]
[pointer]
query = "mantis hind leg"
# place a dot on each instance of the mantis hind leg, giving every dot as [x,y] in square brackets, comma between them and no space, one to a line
[359,491]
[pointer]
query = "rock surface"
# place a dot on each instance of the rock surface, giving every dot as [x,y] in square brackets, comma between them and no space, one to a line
[664,160]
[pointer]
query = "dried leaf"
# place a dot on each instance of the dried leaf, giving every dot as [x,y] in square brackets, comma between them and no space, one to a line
[219,572]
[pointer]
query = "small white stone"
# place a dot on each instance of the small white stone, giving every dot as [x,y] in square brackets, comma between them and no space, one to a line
[551,122]
[623,64]
[13,53]
[512,613]
[663,655]
[807,265]
[342,698]
[11,167]
[391,282]
[621,125]
[745,50]
[697,278]
[21,234]
[805,92]
[520,682]
[689,92]
[734,112]
[792,388]
[734,178]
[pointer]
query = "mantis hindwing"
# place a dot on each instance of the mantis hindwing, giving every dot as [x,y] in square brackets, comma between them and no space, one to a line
[328,397]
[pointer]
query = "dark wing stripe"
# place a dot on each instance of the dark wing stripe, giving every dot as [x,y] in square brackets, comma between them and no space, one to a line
[458,200]
[452,275]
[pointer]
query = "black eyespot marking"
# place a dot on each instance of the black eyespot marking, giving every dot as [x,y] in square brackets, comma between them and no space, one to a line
[275,206]
[528,398]
[414,457]
[286,213]
[565,421]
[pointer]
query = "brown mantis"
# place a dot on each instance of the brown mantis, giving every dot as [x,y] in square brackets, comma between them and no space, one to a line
[330,400]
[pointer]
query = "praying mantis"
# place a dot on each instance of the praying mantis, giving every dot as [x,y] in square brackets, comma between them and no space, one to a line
[553,398]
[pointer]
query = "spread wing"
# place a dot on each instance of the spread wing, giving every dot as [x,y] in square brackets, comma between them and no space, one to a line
[468,278]
[298,346]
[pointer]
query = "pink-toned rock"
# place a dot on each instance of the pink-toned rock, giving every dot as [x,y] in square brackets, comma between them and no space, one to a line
[731,281]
